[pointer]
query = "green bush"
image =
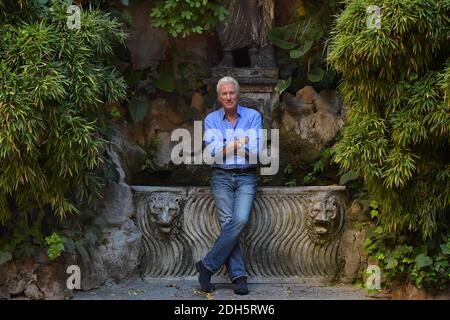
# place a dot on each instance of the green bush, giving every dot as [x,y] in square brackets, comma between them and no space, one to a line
[54,82]
[55,245]
[182,18]
[304,44]
[396,88]
[409,259]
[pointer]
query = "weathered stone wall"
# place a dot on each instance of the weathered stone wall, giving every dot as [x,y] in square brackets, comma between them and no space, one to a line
[35,279]
[116,258]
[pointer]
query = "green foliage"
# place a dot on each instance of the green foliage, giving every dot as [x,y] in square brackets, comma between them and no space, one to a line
[115,113]
[396,88]
[179,78]
[138,107]
[319,166]
[54,83]
[304,42]
[267,180]
[152,150]
[408,258]
[291,183]
[164,81]
[190,73]
[182,18]
[176,79]
[55,245]
[348,176]
[283,85]
[288,171]
[288,174]
[5,257]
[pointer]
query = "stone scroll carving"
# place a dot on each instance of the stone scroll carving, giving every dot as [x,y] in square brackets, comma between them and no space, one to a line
[292,232]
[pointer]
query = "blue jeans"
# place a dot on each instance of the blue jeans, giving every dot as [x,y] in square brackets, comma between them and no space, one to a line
[233,194]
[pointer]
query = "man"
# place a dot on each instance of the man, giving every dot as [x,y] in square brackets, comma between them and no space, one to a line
[231,132]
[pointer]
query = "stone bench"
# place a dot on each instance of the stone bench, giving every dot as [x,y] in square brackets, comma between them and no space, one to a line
[292,232]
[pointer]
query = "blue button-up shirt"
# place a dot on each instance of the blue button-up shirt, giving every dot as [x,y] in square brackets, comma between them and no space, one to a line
[219,131]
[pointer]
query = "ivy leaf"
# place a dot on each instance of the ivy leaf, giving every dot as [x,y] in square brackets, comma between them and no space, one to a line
[276,35]
[316,74]
[5,257]
[407,260]
[301,51]
[379,230]
[283,44]
[445,248]
[374,204]
[164,82]
[391,263]
[282,85]
[374,213]
[423,261]
[138,108]
[349,176]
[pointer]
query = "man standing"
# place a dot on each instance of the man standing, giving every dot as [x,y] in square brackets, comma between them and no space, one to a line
[231,132]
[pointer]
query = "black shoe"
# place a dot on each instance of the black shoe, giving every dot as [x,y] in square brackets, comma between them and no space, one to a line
[240,286]
[204,277]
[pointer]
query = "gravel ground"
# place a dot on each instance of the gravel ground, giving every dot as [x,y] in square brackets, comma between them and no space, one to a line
[188,289]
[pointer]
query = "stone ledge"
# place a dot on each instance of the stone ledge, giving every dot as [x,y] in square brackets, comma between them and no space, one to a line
[254,73]
[261,190]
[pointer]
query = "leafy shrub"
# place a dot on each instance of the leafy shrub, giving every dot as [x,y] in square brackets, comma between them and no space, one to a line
[304,44]
[396,88]
[54,82]
[55,245]
[150,162]
[182,18]
[408,259]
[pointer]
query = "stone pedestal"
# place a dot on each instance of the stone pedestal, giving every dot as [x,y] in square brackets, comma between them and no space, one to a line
[257,87]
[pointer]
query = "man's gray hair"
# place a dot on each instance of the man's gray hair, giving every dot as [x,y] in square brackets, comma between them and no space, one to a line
[228,80]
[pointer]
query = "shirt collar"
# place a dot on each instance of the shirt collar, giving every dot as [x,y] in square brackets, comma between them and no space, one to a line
[238,111]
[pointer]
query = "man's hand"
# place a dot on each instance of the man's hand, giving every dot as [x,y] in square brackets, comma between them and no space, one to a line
[243,140]
[240,143]
[235,146]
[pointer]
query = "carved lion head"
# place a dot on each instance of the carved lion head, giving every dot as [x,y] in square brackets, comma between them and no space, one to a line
[164,211]
[323,219]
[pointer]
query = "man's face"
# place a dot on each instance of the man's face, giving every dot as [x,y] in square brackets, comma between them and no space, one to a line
[228,96]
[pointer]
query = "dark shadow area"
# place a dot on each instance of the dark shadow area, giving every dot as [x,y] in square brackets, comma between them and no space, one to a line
[241,58]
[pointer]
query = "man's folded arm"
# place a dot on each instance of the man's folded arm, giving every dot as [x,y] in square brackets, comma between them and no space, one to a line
[215,142]
[254,145]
